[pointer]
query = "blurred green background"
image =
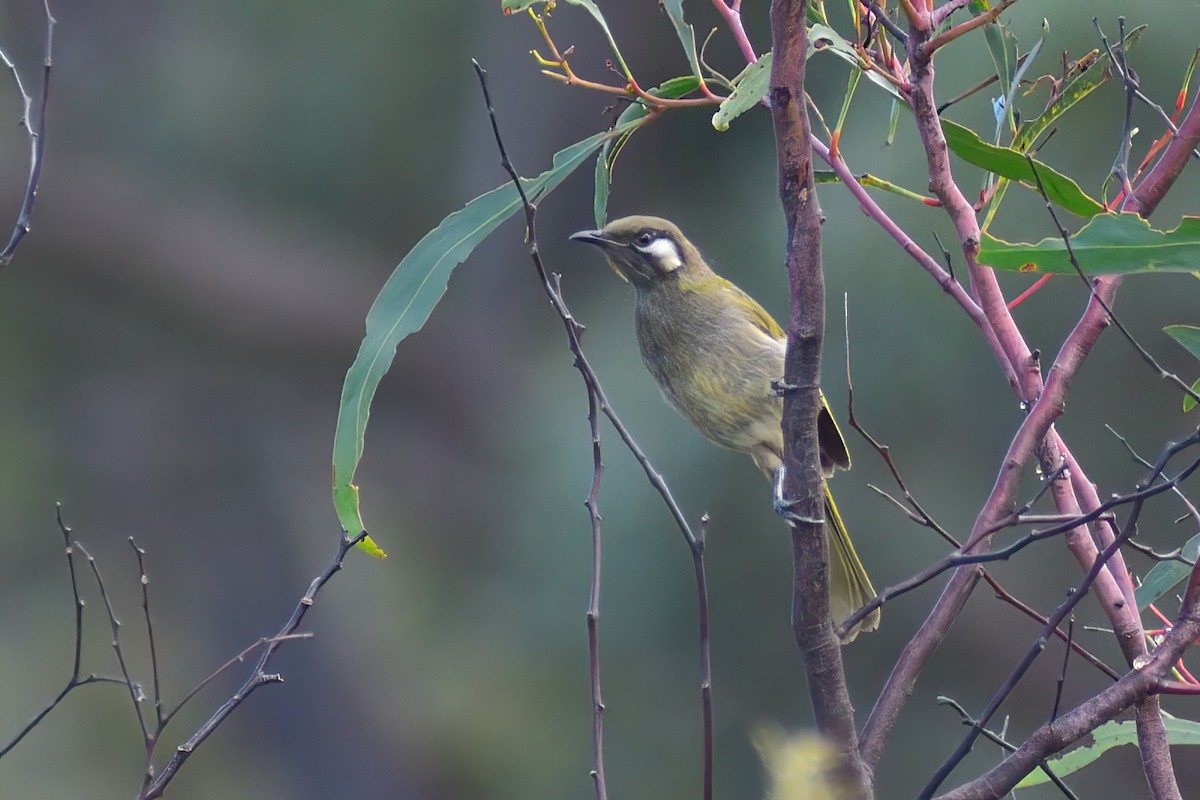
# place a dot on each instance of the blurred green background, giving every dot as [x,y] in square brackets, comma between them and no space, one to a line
[226,187]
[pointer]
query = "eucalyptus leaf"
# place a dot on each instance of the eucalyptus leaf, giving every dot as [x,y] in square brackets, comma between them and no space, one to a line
[752,84]
[1009,163]
[687,36]
[1077,87]
[405,303]
[1002,46]
[822,38]
[1110,244]
[1106,737]
[1188,337]
[1166,575]
[749,88]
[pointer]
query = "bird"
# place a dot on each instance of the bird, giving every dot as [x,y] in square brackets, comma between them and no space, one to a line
[717,355]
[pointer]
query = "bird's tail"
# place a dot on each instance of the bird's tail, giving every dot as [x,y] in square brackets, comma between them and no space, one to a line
[849,586]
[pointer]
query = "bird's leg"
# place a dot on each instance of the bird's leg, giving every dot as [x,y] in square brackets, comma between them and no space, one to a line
[786,508]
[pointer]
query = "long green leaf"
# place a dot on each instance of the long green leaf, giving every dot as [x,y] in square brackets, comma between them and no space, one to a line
[1166,575]
[687,36]
[1011,164]
[1077,88]
[1106,737]
[1110,244]
[405,303]
[1002,46]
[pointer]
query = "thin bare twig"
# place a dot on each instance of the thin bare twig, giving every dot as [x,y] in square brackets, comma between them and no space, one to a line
[1134,685]
[77,679]
[135,690]
[998,739]
[551,285]
[144,582]
[917,513]
[154,785]
[37,137]
[964,558]
[1097,568]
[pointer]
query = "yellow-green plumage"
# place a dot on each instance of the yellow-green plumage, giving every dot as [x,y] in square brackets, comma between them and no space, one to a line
[715,352]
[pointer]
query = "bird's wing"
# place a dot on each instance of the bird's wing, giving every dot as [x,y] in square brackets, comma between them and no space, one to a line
[759,316]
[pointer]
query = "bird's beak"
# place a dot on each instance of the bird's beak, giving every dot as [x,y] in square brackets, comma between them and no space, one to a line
[591,237]
[612,250]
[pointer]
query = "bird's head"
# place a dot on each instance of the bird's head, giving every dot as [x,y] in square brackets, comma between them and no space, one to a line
[645,250]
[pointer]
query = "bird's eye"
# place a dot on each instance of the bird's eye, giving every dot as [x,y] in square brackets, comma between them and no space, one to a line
[645,238]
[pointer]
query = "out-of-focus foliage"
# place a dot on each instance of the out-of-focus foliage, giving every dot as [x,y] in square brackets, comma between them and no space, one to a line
[799,767]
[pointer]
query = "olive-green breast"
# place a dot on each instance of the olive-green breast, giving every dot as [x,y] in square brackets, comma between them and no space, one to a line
[712,359]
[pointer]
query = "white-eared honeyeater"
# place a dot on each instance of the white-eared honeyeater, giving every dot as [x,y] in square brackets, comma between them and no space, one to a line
[715,353]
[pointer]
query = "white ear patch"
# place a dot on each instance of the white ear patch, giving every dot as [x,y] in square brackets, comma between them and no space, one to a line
[665,252]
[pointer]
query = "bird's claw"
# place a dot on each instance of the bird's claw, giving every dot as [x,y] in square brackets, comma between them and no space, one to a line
[787,508]
[780,387]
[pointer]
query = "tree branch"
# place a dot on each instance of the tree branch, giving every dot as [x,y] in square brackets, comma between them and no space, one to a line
[37,137]
[1054,736]
[598,400]
[802,480]
[155,785]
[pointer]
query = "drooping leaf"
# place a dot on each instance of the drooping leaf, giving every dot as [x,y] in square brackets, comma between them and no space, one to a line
[405,303]
[749,87]
[1110,244]
[1011,164]
[635,112]
[1106,737]
[1077,87]
[1166,575]
[851,85]
[687,36]
[1022,64]
[1002,46]
[893,120]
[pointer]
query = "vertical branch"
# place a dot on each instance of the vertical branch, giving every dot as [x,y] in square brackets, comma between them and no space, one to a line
[705,654]
[598,401]
[802,480]
[593,611]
